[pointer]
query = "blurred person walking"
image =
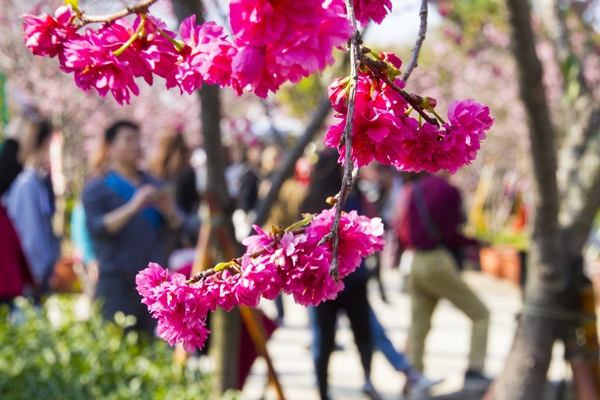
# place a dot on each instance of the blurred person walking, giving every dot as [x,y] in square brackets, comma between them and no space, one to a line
[22,132]
[428,224]
[125,210]
[30,206]
[416,384]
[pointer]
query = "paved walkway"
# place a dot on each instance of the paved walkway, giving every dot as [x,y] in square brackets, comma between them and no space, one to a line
[446,353]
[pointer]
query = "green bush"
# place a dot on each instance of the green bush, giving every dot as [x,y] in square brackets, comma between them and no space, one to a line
[53,353]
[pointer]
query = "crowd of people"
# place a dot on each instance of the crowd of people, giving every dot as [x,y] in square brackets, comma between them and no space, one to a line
[129,216]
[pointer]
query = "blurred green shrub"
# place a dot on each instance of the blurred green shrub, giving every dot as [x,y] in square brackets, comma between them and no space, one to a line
[56,353]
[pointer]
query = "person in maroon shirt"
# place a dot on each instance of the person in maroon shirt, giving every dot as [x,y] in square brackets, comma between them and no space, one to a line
[428,220]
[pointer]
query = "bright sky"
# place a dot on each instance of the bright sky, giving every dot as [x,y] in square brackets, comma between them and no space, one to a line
[402,26]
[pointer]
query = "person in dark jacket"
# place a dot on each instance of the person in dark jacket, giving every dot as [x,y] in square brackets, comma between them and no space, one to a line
[125,209]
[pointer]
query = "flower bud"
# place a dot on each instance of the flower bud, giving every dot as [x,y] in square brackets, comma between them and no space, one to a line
[429,103]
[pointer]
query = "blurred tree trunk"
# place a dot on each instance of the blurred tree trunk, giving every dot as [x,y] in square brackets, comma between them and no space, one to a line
[225,326]
[567,196]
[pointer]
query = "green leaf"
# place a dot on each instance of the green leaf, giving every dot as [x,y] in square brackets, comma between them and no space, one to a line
[222,266]
[74,4]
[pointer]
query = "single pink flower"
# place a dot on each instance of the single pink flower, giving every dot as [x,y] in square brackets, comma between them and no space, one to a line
[147,55]
[360,237]
[338,92]
[254,280]
[310,283]
[284,40]
[472,116]
[148,280]
[93,65]
[255,71]
[45,35]
[223,289]
[207,59]
[180,309]
[257,242]
[365,10]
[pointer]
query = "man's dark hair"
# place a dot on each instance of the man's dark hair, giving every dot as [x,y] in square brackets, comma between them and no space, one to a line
[44,133]
[111,133]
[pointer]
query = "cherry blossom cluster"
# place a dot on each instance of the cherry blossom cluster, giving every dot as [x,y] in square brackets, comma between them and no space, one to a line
[292,262]
[274,42]
[384,130]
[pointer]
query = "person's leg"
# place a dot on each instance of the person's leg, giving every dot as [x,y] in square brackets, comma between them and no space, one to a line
[357,308]
[383,344]
[279,305]
[324,337]
[111,291]
[422,304]
[446,282]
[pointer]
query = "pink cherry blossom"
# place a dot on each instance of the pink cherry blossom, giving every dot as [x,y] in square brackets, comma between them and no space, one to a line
[338,94]
[95,66]
[257,242]
[147,55]
[254,280]
[223,288]
[379,124]
[148,280]
[207,57]
[472,116]
[284,40]
[310,283]
[359,237]
[181,311]
[45,35]
[365,10]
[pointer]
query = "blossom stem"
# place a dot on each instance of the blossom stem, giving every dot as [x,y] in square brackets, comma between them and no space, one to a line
[200,276]
[177,44]
[138,8]
[438,117]
[414,100]
[299,224]
[407,112]
[133,37]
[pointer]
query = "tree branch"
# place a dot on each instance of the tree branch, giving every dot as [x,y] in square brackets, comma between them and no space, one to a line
[347,180]
[287,170]
[138,8]
[582,199]
[202,275]
[420,39]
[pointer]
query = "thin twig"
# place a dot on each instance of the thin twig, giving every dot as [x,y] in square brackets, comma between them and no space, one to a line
[348,181]
[138,8]
[420,39]
[414,100]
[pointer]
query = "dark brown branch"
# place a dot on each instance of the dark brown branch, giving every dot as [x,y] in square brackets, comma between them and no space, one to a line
[420,39]
[414,100]
[287,170]
[138,8]
[347,180]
